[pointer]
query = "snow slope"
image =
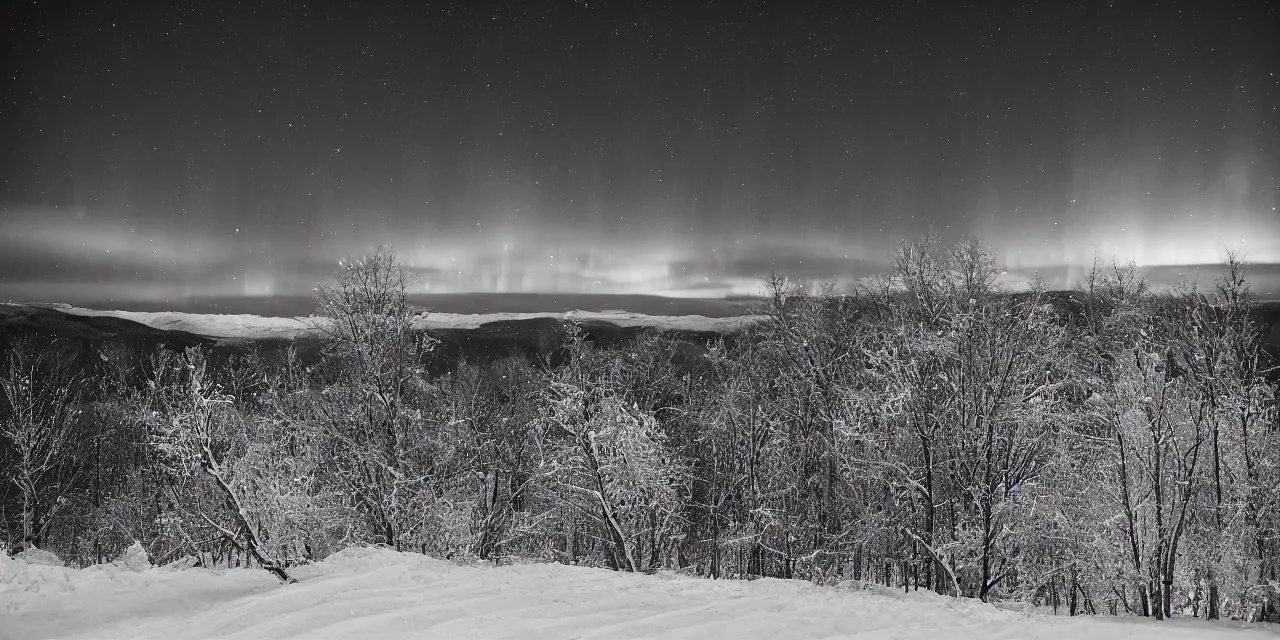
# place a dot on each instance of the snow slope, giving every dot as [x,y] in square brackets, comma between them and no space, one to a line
[376,593]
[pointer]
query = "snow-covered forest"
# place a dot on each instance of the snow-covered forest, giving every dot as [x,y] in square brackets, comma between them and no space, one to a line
[1105,451]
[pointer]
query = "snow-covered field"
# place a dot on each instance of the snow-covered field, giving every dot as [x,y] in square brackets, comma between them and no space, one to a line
[376,593]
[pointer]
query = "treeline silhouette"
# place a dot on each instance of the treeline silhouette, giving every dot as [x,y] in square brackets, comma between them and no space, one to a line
[1105,450]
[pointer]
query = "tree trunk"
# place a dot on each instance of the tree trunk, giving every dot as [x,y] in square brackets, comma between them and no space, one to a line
[1072,600]
[252,544]
[1154,588]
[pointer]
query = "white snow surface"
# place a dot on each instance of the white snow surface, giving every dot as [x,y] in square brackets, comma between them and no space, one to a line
[378,593]
[245,326]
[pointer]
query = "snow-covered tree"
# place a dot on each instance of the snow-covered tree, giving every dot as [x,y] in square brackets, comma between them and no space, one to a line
[195,431]
[281,471]
[959,409]
[373,413]
[610,462]
[38,420]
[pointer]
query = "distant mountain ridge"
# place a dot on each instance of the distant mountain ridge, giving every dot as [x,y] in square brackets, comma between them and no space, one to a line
[284,306]
[1264,278]
[461,337]
[504,330]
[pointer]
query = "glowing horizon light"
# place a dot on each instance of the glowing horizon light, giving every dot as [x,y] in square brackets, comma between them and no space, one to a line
[1204,241]
[728,262]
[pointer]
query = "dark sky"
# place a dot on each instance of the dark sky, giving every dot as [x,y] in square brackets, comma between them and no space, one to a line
[156,149]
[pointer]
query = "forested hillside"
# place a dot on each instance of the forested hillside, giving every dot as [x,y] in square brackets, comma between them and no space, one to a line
[1102,451]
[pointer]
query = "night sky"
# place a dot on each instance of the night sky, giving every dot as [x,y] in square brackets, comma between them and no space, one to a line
[151,150]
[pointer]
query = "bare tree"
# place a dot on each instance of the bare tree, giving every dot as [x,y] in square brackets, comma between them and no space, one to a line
[43,397]
[498,402]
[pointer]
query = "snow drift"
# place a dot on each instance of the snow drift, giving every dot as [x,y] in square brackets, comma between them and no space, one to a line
[378,593]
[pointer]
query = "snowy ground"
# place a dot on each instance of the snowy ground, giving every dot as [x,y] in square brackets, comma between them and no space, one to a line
[368,593]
